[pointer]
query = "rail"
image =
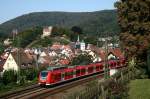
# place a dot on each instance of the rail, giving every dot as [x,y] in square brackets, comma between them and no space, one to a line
[100,89]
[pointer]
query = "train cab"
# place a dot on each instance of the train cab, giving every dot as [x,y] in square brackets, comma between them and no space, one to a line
[43,77]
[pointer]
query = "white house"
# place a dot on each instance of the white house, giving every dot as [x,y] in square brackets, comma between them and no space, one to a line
[7,42]
[10,64]
[47,31]
[16,61]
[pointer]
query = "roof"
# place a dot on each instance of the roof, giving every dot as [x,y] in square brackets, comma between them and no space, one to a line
[102,54]
[117,52]
[64,62]
[22,58]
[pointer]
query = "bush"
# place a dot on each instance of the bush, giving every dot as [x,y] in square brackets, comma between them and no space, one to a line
[9,76]
[82,59]
[1,86]
[31,74]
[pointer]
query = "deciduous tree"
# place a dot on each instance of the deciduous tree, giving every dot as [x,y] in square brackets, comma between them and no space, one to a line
[134,20]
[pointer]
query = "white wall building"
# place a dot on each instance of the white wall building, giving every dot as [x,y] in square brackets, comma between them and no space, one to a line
[47,31]
[10,64]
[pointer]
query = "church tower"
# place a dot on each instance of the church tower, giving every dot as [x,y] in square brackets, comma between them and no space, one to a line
[77,45]
[82,45]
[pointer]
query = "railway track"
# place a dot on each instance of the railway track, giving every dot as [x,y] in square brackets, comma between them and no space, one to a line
[36,92]
[11,94]
[57,89]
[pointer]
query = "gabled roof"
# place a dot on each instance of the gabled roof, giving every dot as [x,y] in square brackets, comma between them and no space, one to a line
[21,57]
[102,54]
[64,62]
[117,52]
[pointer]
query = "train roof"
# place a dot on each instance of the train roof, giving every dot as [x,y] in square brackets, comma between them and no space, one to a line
[52,68]
[69,69]
[80,67]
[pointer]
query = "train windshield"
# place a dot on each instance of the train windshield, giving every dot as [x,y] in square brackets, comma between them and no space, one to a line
[44,73]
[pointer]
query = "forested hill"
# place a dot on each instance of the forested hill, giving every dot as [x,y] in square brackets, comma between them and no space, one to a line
[91,22]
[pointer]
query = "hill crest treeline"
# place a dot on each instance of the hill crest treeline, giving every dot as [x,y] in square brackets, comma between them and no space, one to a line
[91,22]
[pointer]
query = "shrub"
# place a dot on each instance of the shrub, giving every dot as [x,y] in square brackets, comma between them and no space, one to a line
[9,76]
[31,74]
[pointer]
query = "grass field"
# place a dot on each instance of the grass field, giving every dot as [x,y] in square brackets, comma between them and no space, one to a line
[139,89]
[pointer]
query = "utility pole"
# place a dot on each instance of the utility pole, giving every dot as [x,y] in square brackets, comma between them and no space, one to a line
[18,57]
[148,60]
[106,67]
[14,33]
[37,57]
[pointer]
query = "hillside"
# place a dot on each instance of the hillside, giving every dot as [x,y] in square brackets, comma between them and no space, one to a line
[90,22]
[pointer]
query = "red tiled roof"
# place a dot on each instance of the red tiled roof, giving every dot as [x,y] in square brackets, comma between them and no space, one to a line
[117,52]
[56,46]
[102,54]
[64,62]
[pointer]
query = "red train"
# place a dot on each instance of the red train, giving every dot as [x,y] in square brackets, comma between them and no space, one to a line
[61,74]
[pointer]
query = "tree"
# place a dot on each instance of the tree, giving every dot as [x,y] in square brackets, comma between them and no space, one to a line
[26,37]
[134,20]
[1,48]
[76,29]
[82,59]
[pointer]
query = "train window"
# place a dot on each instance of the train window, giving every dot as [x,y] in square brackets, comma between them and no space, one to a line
[90,68]
[97,67]
[44,74]
[62,75]
[56,76]
[77,71]
[101,67]
[59,76]
[69,73]
[82,70]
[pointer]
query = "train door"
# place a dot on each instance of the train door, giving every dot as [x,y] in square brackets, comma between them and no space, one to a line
[78,72]
[68,74]
[90,69]
[83,71]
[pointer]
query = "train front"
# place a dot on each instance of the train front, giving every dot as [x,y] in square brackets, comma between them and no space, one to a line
[43,76]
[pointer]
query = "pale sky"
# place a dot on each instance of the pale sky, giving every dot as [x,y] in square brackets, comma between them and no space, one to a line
[10,9]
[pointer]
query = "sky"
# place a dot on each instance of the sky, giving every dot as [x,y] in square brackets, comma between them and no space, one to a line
[10,9]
